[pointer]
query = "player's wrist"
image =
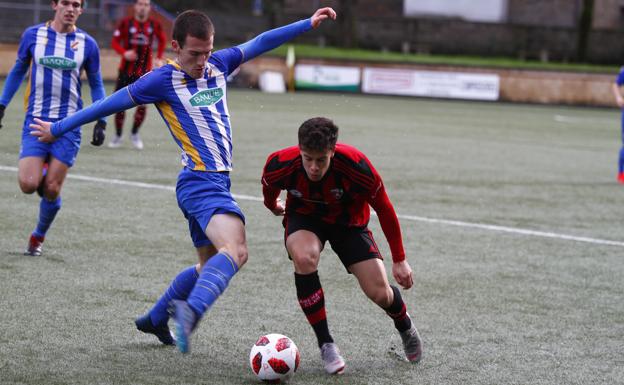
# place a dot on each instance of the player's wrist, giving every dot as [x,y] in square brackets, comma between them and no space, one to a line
[271,205]
[398,258]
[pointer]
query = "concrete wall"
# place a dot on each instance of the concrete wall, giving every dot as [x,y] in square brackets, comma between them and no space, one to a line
[523,86]
[545,87]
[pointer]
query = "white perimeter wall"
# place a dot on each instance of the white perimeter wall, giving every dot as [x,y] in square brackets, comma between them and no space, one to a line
[492,11]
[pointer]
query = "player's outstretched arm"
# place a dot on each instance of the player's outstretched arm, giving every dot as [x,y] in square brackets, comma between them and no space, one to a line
[269,40]
[48,132]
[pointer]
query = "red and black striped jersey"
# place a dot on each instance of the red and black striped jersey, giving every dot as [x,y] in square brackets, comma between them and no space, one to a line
[341,197]
[132,34]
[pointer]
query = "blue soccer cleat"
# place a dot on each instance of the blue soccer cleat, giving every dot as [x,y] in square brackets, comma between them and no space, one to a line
[162,332]
[185,321]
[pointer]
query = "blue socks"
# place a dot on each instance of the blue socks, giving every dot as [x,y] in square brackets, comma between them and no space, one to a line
[47,212]
[180,288]
[621,164]
[213,279]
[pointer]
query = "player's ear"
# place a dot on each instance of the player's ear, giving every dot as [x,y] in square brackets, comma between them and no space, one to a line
[175,46]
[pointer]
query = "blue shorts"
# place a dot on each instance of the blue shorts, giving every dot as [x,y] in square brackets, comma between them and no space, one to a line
[201,195]
[64,148]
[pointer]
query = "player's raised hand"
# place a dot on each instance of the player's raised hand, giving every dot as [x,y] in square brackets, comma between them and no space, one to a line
[41,130]
[2,108]
[98,133]
[402,273]
[321,15]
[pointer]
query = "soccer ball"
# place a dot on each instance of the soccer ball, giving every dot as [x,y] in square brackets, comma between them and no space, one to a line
[274,358]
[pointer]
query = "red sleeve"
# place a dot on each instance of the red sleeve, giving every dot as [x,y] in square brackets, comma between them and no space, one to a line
[269,191]
[270,194]
[380,202]
[162,40]
[118,38]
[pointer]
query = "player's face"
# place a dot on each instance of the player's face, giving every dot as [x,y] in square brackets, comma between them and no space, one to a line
[193,58]
[316,163]
[142,9]
[67,11]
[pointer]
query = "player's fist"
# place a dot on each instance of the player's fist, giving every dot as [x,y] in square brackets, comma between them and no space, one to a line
[98,133]
[130,55]
[2,107]
[280,207]
[321,15]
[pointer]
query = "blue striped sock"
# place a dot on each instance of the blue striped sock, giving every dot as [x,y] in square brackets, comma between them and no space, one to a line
[47,212]
[213,279]
[179,288]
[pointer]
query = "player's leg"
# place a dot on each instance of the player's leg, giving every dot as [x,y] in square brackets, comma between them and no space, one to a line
[358,251]
[372,278]
[139,117]
[49,205]
[305,239]
[29,176]
[30,173]
[205,197]
[226,231]
[58,156]
[304,248]
[155,321]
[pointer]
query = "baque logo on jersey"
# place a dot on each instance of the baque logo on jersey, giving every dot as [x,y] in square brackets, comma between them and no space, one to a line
[206,97]
[56,62]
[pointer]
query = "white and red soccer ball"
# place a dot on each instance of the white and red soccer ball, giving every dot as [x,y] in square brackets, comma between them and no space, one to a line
[274,358]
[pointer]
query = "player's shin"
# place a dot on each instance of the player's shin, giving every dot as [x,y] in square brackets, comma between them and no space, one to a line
[212,282]
[398,311]
[312,302]
[47,213]
[180,288]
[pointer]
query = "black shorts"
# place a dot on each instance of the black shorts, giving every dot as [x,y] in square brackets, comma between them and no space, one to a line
[352,244]
[123,80]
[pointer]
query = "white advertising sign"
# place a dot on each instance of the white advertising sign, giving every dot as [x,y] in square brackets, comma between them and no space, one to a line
[323,77]
[437,84]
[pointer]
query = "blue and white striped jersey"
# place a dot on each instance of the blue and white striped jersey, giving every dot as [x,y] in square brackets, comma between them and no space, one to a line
[195,110]
[56,60]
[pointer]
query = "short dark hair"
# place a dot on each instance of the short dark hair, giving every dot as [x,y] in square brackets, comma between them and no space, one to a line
[83,3]
[192,23]
[318,134]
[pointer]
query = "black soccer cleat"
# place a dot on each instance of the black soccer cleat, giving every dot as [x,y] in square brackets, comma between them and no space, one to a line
[144,324]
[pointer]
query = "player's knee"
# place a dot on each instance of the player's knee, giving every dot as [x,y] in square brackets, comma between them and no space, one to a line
[306,261]
[381,295]
[28,186]
[238,253]
[52,189]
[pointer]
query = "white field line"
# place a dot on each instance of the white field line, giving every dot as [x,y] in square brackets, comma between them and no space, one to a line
[480,226]
[582,120]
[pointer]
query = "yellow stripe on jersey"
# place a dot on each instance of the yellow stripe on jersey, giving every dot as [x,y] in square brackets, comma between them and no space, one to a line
[28,89]
[180,134]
